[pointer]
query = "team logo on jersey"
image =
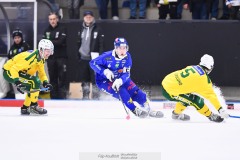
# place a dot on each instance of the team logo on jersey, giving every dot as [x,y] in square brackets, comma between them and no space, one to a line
[48,35]
[14,51]
[57,34]
[95,35]
[130,101]
[116,65]
[109,65]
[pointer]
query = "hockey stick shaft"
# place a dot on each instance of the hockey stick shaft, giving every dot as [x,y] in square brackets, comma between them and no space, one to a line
[36,90]
[231,116]
[128,115]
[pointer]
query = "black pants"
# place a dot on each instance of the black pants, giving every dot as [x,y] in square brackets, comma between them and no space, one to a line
[103,8]
[57,69]
[171,8]
[87,76]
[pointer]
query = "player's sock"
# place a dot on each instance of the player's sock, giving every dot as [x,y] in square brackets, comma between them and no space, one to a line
[205,111]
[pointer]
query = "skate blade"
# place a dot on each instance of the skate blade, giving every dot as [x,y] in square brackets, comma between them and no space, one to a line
[37,114]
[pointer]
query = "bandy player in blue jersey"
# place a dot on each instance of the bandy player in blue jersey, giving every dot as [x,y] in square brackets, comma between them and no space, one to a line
[112,70]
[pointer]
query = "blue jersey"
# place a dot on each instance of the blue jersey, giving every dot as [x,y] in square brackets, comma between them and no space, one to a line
[108,60]
[128,92]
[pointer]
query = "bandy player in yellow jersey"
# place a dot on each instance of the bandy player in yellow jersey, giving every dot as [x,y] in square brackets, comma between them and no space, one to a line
[26,71]
[189,87]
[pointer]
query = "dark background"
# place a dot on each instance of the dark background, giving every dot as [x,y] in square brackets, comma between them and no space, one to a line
[160,47]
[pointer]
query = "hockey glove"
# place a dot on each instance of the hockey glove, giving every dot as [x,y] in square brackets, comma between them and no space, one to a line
[109,74]
[20,87]
[223,113]
[117,84]
[47,85]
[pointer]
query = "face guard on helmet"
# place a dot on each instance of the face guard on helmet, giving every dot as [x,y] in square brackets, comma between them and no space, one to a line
[207,61]
[121,47]
[45,45]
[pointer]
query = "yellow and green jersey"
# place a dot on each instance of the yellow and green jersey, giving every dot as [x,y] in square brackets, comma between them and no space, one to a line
[27,62]
[192,79]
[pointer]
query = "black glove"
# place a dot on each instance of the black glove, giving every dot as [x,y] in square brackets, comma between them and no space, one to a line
[21,87]
[47,85]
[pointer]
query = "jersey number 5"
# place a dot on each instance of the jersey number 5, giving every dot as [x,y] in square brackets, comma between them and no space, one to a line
[187,72]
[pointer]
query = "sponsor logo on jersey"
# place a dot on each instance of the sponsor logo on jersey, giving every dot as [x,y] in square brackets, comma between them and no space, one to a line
[125,69]
[199,70]
[120,71]
[132,85]
[178,79]
[130,101]
[108,59]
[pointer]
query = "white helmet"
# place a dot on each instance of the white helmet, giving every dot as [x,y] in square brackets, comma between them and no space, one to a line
[46,44]
[207,61]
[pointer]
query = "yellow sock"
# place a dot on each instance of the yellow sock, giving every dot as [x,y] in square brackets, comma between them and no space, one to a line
[179,108]
[205,111]
[27,100]
[32,97]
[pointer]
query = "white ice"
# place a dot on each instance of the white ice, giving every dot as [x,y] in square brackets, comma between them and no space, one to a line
[76,126]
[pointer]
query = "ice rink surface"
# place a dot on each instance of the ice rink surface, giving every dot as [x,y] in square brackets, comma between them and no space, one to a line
[77,126]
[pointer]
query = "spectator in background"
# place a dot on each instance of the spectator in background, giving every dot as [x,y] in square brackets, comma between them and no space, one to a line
[57,64]
[165,7]
[179,9]
[225,15]
[90,44]
[103,9]
[19,45]
[199,8]
[233,6]
[214,9]
[74,8]
[142,9]
[55,7]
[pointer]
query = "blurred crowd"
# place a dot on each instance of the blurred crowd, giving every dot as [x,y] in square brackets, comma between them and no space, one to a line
[167,9]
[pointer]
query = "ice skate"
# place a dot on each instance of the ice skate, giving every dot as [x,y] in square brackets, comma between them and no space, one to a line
[156,114]
[151,113]
[35,109]
[215,118]
[25,110]
[181,116]
[140,112]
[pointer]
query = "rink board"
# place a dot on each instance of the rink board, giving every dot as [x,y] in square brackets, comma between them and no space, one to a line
[16,103]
